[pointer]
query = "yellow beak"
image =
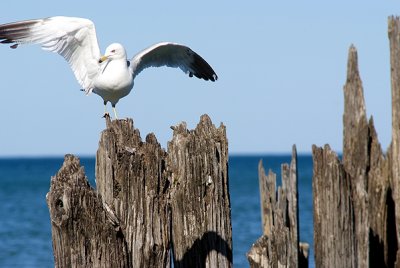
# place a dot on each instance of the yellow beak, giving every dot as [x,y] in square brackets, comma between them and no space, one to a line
[103,58]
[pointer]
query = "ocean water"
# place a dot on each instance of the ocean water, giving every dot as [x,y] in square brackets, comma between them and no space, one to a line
[25,231]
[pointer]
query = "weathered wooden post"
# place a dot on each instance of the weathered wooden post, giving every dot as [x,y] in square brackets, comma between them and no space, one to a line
[84,232]
[130,178]
[279,245]
[394,40]
[357,200]
[197,164]
[147,202]
[340,193]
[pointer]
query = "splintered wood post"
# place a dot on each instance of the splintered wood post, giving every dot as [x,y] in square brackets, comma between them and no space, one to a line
[356,149]
[279,245]
[197,163]
[342,203]
[130,177]
[394,40]
[357,201]
[334,242]
[147,202]
[84,233]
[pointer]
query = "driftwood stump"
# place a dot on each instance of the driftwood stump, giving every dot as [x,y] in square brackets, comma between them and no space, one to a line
[357,200]
[148,202]
[279,245]
[84,232]
[200,207]
[130,178]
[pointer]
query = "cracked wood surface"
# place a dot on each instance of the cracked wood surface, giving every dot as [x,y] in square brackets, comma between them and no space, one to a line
[148,202]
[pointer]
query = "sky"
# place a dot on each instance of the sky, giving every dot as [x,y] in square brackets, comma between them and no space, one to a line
[281,68]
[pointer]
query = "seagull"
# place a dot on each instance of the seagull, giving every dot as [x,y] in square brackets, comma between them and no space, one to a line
[112,75]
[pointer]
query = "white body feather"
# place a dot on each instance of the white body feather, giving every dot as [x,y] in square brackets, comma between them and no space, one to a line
[114,82]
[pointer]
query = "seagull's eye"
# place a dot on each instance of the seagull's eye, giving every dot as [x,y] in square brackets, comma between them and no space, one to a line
[113,51]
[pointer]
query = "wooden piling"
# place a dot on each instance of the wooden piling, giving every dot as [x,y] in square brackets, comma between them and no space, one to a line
[197,164]
[279,245]
[394,41]
[84,232]
[130,177]
[148,202]
[357,199]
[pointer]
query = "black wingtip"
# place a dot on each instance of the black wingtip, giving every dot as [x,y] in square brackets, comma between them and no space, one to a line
[15,32]
[7,41]
[202,70]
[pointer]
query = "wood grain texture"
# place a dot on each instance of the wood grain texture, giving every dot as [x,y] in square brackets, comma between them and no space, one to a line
[148,203]
[200,206]
[130,176]
[357,200]
[83,232]
[394,41]
[279,245]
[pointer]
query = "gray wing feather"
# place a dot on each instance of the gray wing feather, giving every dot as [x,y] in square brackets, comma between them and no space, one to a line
[73,38]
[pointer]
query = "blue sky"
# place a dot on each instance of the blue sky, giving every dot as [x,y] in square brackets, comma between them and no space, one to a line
[281,68]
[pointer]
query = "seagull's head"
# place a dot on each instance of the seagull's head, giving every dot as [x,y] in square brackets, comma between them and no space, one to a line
[114,51]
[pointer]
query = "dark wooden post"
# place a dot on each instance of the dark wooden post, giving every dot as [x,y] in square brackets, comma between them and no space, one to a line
[147,202]
[279,245]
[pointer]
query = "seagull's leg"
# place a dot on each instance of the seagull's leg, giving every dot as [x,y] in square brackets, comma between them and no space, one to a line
[105,109]
[115,111]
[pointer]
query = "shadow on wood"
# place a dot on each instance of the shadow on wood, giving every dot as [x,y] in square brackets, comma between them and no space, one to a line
[196,256]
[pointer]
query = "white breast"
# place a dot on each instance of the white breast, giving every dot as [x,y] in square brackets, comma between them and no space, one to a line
[114,81]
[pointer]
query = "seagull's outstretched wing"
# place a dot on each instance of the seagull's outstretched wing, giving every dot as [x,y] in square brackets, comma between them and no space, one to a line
[172,55]
[73,38]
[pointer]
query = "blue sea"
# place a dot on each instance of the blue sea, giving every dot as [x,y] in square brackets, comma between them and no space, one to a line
[25,231]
